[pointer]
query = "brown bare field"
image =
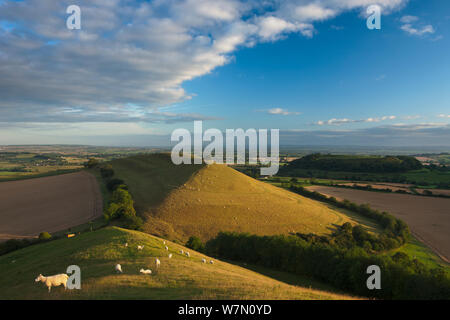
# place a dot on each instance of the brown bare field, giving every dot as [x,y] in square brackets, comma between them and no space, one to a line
[427,217]
[28,207]
[395,187]
[376,186]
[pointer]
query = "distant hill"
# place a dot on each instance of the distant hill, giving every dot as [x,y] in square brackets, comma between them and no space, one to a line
[96,253]
[181,201]
[352,163]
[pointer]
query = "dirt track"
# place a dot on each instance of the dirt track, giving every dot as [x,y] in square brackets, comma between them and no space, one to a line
[28,207]
[427,217]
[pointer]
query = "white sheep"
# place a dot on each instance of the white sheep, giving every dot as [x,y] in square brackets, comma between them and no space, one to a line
[211,262]
[164,241]
[140,247]
[187,254]
[126,244]
[167,248]
[170,255]
[55,281]
[148,271]
[204,260]
[157,262]
[118,268]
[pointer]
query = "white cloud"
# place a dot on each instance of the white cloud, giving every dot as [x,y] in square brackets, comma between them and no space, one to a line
[408,19]
[280,111]
[418,31]
[134,52]
[270,28]
[335,121]
[444,116]
[409,28]
[313,12]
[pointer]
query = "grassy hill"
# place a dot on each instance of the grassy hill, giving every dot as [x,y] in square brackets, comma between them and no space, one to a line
[96,253]
[181,201]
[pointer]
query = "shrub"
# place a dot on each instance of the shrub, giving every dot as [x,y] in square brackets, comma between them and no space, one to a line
[45,236]
[121,207]
[195,243]
[107,171]
[113,184]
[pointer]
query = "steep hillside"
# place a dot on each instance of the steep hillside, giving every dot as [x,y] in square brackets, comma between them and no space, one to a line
[96,253]
[181,201]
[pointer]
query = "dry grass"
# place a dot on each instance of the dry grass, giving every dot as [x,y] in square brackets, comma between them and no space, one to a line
[178,278]
[180,201]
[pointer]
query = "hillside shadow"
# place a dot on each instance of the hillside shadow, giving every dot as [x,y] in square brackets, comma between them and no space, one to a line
[152,177]
[288,278]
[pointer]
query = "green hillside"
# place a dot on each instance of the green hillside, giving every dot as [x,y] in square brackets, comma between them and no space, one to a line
[180,201]
[96,253]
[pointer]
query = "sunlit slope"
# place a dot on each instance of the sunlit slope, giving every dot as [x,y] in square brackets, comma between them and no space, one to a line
[96,253]
[217,198]
[151,177]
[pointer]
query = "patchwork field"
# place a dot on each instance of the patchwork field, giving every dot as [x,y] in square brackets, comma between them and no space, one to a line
[427,217]
[28,207]
[180,277]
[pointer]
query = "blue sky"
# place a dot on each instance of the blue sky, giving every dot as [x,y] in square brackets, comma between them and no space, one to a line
[138,70]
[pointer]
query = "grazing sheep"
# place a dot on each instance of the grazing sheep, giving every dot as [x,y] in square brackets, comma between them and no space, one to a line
[181,252]
[157,262]
[148,271]
[187,254]
[167,248]
[164,241]
[211,262]
[56,280]
[140,247]
[118,268]
[126,244]
[170,255]
[204,260]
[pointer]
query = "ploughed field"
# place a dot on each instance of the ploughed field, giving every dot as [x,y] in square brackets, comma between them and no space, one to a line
[28,207]
[427,217]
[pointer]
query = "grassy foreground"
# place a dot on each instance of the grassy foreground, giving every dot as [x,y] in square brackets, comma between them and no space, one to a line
[96,253]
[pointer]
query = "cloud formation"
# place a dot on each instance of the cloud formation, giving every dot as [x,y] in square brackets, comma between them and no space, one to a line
[335,121]
[280,111]
[134,53]
[415,30]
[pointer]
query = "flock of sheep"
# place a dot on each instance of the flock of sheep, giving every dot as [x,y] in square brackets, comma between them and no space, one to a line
[61,279]
[118,267]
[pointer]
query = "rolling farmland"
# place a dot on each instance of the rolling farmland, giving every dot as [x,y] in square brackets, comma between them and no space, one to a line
[427,217]
[28,207]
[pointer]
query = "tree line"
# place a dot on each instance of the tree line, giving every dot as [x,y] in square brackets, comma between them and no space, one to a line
[345,269]
[375,164]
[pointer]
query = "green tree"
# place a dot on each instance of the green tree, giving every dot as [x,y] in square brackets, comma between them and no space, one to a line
[195,244]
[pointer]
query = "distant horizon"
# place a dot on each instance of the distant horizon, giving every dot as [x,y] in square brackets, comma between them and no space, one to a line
[342,149]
